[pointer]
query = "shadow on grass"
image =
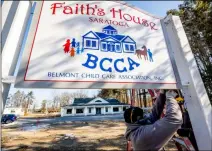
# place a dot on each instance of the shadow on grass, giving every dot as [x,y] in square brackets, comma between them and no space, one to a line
[68,125]
[60,142]
[72,144]
[96,124]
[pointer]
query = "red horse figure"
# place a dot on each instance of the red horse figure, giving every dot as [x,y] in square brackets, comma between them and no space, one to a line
[143,52]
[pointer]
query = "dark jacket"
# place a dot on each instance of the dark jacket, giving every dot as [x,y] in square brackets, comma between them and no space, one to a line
[156,132]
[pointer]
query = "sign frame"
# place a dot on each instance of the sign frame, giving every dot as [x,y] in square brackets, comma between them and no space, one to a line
[21,82]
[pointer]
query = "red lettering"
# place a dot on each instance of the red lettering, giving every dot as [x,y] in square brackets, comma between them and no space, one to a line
[114,11]
[76,11]
[67,10]
[138,21]
[90,8]
[82,9]
[55,5]
[94,10]
[101,12]
[152,25]
[145,23]
[129,17]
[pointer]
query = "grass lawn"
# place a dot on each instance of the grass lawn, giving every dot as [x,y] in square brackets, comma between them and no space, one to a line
[96,135]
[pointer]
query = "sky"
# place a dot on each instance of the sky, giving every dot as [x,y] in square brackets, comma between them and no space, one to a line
[157,8]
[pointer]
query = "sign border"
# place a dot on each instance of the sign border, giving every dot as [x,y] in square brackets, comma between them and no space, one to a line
[30,43]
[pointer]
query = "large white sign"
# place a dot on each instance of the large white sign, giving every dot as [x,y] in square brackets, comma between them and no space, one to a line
[79,44]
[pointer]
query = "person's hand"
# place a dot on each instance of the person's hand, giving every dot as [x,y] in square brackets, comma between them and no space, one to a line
[171,94]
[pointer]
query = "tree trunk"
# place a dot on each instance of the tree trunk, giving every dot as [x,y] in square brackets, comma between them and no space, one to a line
[127,100]
[140,98]
[144,98]
[137,97]
[26,108]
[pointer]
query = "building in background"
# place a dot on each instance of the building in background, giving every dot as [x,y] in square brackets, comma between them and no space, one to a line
[18,111]
[93,106]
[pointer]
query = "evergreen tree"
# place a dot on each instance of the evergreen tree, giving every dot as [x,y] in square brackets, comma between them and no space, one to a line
[196,17]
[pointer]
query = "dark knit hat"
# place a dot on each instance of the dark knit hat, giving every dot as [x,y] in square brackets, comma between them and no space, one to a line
[133,114]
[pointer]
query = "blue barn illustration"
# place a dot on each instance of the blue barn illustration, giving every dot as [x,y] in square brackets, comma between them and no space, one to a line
[108,41]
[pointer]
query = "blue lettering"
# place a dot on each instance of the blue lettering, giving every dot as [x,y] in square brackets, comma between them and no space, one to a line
[53,74]
[101,64]
[92,59]
[116,68]
[131,63]
[49,74]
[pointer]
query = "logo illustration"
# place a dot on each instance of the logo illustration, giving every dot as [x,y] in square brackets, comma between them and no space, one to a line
[109,41]
[144,52]
[106,41]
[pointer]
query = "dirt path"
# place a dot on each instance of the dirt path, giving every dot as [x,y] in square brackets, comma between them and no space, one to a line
[102,135]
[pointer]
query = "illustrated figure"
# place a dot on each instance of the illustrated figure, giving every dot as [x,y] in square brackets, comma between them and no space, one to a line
[78,48]
[150,55]
[143,52]
[73,43]
[82,50]
[67,46]
[72,53]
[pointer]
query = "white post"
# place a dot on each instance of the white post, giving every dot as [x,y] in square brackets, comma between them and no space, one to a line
[73,111]
[86,111]
[9,9]
[14,18]
[195,95]
[61,111]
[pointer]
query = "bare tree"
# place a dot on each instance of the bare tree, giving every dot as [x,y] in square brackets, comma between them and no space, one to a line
[43,106]
[78,94]
[9,102]
[34,108]
[56,102]
[18,99]
[64,98]
[28,100]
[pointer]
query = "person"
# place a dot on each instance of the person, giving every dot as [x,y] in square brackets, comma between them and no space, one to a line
[82,50]
[152,132]
[186,129]
[67,46]
[78,48]
[73,43]
[72,52]
[150,55]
